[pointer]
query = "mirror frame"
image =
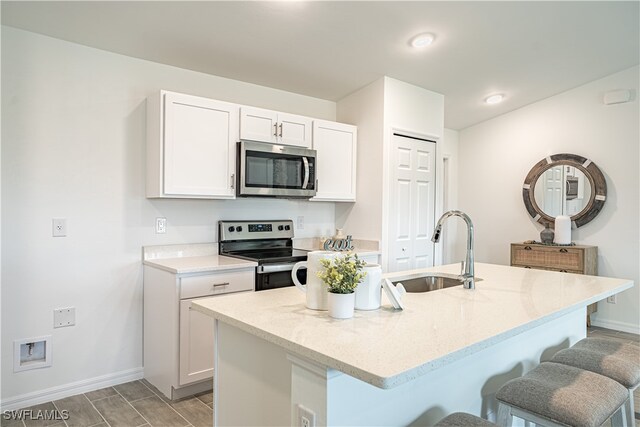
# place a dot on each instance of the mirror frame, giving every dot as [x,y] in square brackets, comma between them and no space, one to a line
[591,171]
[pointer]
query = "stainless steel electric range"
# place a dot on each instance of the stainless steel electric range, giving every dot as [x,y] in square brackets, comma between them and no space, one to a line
[269,243]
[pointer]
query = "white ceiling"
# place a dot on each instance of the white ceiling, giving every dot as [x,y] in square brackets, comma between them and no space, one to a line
[527,50]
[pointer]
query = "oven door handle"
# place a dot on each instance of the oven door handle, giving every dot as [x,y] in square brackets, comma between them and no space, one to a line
[265,269]
[305,182]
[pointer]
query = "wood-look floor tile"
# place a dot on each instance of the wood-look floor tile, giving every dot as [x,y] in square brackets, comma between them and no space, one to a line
[118,412]
[101,394]
[81,411]
[206,397]
[133,391]
[34,416]
[13,421]
[158,413]
[198,413]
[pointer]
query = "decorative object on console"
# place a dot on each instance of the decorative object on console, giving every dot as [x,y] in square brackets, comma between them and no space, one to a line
[342,274]
[564,184]
[369,291]
[562,230]
[546,235]
[316,289]
[338,244]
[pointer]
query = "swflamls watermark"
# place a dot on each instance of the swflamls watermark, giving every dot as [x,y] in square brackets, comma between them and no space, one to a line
[40,414]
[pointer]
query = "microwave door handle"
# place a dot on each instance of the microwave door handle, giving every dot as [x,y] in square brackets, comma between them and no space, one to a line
[305,182]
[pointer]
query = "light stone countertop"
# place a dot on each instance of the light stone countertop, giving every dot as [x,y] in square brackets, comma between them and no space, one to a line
[200,264]
[191,258]
[387,348]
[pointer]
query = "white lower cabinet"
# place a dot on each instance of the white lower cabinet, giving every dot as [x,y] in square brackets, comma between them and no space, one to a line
[336,145]
[178,340]
[196,344]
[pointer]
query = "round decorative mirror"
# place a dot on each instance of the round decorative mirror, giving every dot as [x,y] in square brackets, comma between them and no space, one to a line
[564,184]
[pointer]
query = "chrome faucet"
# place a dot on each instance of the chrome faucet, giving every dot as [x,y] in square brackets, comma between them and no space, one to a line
[467,266]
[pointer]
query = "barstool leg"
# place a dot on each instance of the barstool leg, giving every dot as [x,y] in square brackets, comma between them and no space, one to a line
[631,416]
[619,418]
[504,418]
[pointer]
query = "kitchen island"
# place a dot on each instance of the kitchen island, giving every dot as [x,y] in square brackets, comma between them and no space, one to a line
[449,350]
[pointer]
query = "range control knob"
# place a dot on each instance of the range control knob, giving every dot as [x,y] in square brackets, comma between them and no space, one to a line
[232,229]
[280,228]
[239,228]
[287,227]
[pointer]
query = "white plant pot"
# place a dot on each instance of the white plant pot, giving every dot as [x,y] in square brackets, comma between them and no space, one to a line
[341,305]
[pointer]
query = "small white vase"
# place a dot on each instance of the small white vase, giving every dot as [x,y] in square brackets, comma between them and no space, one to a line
[341,305]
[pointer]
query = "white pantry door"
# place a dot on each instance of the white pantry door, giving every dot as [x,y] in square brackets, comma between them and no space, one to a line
[412,198]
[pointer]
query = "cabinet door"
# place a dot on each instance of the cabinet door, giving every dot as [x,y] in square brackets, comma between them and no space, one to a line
[199,147]
[196,344]
[294,130]
[336,161]
[258,125]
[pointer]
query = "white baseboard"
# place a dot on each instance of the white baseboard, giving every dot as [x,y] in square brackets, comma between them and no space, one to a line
[617,326]
[71,389]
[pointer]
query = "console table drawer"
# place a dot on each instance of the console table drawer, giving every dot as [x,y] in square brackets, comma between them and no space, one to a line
[557,258]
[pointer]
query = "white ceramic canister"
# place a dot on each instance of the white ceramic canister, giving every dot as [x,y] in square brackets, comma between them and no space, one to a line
[369,291]
[315,288]
[562,230]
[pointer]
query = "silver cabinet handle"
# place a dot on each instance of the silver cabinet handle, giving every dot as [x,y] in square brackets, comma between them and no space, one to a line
[305,181]
[217,285]
[233,181]
[280,130]
[275,130]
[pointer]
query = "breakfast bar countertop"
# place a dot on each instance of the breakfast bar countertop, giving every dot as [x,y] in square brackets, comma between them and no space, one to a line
[387,348]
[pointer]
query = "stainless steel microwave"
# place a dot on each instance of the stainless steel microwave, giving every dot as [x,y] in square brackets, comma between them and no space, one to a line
[269,170]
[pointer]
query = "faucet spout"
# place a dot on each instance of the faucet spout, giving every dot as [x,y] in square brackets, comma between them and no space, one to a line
[468,273]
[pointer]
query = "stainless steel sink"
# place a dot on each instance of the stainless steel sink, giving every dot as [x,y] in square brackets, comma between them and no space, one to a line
[431,282]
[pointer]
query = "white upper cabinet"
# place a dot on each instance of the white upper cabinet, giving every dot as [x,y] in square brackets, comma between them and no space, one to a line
[336,161]
[261,125]
[191,147]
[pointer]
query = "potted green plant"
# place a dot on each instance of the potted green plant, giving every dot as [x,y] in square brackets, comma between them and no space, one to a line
[342,275]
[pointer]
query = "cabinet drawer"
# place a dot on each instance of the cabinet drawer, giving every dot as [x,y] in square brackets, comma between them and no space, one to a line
[217,283]
[562,270]
[553,258]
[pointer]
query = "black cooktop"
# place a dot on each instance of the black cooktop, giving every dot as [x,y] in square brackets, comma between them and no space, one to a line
[267,256]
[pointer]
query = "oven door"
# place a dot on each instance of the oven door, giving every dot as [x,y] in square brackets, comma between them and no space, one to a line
[276,170]
[273,276]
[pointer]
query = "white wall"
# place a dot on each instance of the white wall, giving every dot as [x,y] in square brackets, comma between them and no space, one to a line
[379,109]
[496,155]
[73,146]
[365,108]
[452,249]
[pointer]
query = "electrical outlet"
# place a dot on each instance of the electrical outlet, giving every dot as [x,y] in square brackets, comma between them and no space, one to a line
[161,225]
[300,222]
[63,317]
[306,417]
[59,227]
[613,299]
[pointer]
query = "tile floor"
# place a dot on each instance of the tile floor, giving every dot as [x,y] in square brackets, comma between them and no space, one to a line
[132,404]
[138,403]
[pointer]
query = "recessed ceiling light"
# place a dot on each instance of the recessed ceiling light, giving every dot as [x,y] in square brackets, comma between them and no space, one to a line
[422,40]
[494,99]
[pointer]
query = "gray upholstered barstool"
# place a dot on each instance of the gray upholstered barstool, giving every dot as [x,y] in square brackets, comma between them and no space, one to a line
[553,394]
[616,360]
[461,419]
